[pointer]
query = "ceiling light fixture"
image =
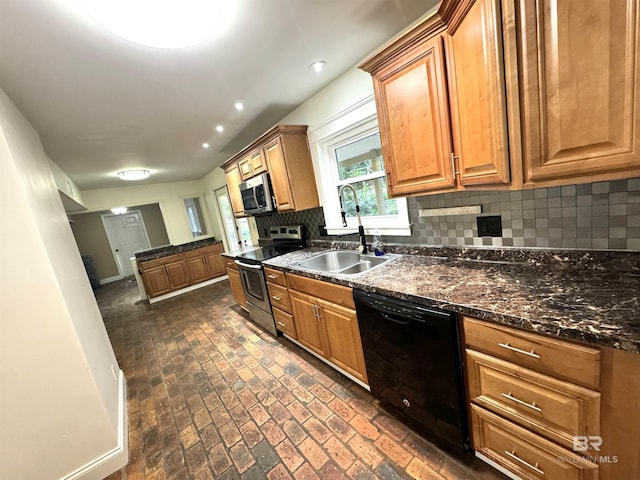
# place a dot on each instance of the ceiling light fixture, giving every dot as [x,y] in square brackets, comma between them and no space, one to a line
[165,24]
[318,66]
[219,129]
[238,106]
[119,210]
[133,174]
[205,145]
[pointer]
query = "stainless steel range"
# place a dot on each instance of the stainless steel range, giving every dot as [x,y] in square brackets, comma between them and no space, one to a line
[285,238]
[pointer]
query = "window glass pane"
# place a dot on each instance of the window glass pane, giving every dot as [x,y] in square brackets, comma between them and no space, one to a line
[372,197]
[245,231]
[227,215]
[359,158]
[194,214]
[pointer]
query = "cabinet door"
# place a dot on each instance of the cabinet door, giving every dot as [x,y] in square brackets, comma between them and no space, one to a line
[215,265]
[308,326]
[156,281]
[279,176]
[579,90]
[197,269]
[477,93]
[343,335]
[232,174]
[413,111]
[178,274]
[236,288]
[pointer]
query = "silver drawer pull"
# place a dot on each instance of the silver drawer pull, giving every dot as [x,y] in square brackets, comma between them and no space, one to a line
[532,406]
[517,350]
[276,298]
[272,277]
[282,324]
[512,454]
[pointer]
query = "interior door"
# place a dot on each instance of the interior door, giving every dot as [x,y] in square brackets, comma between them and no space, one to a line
[126,234]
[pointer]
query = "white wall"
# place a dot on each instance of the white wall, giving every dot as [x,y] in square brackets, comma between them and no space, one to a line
[170,198]
[61,404]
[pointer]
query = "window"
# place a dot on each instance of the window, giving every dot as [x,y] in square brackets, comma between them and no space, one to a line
[194,215]
[347,150]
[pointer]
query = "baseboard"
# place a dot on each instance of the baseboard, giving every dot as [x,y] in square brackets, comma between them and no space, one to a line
[117,458]
[111,279]
[187,289]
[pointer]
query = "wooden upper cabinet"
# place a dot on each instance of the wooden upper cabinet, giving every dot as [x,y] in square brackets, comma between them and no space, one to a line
[252,164]
[579,67]
[234,178]
[441,99]
[279,175]
[414,121]
[477,95]
[283,151]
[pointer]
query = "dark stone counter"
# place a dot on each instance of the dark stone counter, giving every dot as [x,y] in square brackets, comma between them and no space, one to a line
[591,297]
[167,250]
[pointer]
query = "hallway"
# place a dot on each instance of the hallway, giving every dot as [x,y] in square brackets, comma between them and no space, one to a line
[210,395]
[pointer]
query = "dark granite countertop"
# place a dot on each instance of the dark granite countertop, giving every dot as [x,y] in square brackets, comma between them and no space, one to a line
[167,250]
[572,300]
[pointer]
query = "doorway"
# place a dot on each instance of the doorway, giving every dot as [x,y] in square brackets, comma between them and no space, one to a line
[126,234]
[228,220]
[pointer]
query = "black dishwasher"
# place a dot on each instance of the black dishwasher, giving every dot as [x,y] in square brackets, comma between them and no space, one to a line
[412,355]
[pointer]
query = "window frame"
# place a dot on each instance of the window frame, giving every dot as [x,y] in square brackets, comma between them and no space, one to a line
[348,126]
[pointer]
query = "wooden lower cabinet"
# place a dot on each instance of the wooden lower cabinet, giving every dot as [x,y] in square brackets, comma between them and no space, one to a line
[325,327]
[524,453]
[156,281]
[178,274]
[205,263]
[285,323]
[236,283]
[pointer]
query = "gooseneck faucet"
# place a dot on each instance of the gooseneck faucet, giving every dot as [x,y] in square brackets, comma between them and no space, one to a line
[363,241]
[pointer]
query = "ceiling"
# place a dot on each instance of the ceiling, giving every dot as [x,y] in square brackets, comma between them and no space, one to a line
[102,104]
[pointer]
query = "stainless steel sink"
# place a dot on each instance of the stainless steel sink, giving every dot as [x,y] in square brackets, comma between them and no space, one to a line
[344,262]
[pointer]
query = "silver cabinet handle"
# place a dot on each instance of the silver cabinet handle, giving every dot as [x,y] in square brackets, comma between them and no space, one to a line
[517,350]
[512,454]
[316,313]
[318,310]
[532,406]
[282,324]
[276,298]
[272,276]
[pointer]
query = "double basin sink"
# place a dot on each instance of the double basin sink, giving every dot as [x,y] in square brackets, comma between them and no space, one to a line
[343,262]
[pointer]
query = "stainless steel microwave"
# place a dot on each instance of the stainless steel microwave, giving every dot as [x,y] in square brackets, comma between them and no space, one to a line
[256,195]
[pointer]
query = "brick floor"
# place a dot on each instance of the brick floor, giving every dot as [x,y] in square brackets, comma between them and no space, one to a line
[212,396]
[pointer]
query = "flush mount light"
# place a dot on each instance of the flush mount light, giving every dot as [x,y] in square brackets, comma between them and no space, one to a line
[219,129]
[205,145]
[119,210]
[238,106]
[317,66]
[160,24]
[133,174]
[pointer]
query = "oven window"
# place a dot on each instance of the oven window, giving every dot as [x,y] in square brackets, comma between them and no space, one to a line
[254,284]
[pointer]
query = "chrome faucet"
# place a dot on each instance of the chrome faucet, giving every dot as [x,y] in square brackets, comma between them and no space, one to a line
[363,241]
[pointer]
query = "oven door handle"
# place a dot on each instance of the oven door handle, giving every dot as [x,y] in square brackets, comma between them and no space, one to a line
[246,265]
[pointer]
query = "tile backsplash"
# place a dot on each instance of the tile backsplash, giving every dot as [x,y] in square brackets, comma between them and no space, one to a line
[603,215]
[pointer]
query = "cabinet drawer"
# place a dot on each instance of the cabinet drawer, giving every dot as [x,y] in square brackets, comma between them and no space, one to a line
[217,248]
[275,276]
[230,263]
[337,294]
[569,361]
[161,261]
[279,296]
[553,408]
[285,323]
[524,453]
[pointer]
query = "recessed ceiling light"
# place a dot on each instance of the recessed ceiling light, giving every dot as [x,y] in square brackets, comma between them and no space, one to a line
[133,174]
[119,210]
[219,129]
[238,106]
[166,24]
[318,66]
[205,145]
